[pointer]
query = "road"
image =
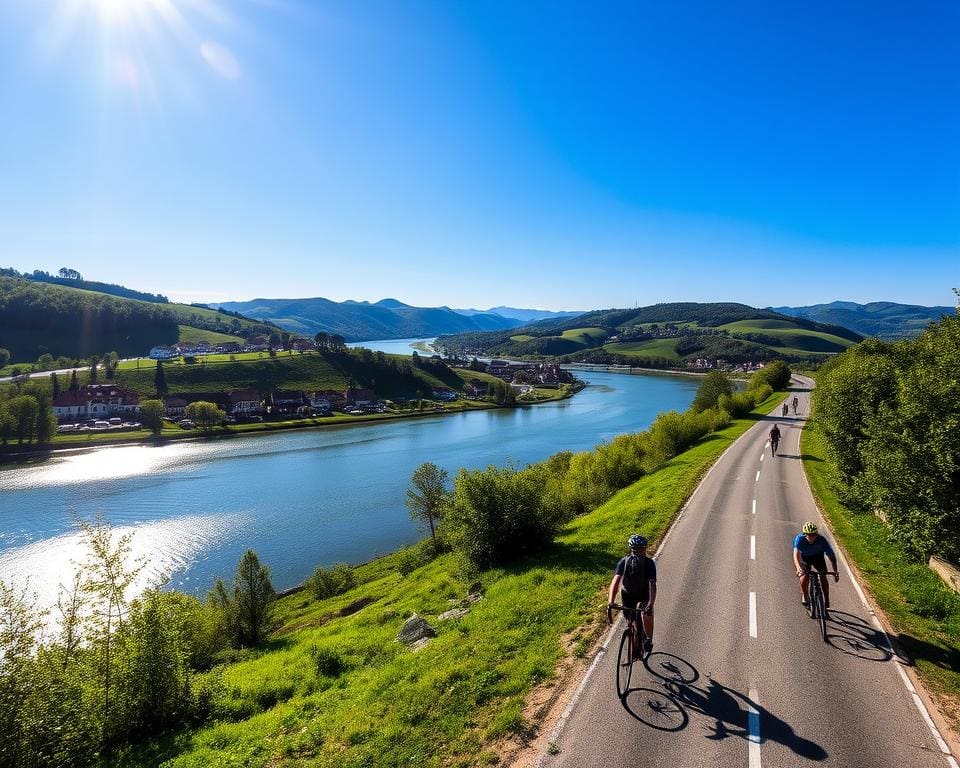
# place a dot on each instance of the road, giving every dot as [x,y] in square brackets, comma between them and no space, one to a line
[739,675]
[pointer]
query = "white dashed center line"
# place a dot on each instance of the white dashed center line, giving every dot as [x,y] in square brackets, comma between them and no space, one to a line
[754,506]
[753,614]
[753,547]
[758,477]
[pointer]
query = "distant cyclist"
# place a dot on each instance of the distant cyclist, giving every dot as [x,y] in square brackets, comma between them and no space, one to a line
[809,549]
[784,409]
[796,402]
[775,438]
[636,578]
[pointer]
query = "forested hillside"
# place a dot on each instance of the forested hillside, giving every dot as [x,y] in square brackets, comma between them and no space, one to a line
[665,336]
[38,318]
[73,279]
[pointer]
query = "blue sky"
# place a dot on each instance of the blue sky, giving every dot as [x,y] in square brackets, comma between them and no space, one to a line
[555,155]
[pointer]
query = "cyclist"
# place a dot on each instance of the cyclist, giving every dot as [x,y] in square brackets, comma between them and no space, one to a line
[636,578]
[809,548]
[796,402]
[784,409]
[775,438]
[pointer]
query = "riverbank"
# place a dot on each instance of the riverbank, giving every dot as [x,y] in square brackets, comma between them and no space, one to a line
[94,440]
[465,697]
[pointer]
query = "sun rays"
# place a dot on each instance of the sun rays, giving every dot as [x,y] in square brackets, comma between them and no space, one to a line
[148,49]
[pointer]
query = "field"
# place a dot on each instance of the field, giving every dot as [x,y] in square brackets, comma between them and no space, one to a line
[378,703]
[795,340]
[190,335]
[650,348]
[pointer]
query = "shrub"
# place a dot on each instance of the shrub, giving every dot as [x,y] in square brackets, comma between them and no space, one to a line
[329,582]
[714,385]
[776,374]
[327,662]
[497,515]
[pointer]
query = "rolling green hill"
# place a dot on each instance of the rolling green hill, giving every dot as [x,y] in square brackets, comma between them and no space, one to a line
[663,335]
[883,319]
[38,318]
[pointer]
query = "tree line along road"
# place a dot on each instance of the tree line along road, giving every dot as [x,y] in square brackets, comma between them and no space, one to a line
[739,674]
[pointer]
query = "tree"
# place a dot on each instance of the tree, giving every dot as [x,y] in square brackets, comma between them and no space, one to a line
[151,415]
[160,380]
[24,410]
[94,362]
[4,356]
[110,362]
[427,496]
[74,382]
[253,599]
[285,339]
[714,384]
[46,424]
[69,274]
[109,576]
[54,385]
[205,415]
[322,340]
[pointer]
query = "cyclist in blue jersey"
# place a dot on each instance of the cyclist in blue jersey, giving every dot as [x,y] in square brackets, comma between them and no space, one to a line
[636,578]
[809,552]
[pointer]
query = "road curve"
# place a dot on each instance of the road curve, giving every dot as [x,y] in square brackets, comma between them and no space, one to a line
[739,675]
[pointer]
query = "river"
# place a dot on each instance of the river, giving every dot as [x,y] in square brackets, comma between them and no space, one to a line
[300,499]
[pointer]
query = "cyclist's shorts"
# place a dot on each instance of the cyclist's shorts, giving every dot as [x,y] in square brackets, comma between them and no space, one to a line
[817,562]
[627,599]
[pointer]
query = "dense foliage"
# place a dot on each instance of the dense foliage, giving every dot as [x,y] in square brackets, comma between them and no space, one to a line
[38,318]
[73,279]
[116,670]
[891,416]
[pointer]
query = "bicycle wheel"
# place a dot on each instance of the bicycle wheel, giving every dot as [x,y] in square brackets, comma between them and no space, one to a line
[624,663]
[812,592]
[822,614]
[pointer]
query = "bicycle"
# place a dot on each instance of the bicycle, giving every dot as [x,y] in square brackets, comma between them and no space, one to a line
[774,444]
[816,606]
[634,636]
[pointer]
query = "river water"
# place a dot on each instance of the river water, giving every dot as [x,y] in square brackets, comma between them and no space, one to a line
[300,499]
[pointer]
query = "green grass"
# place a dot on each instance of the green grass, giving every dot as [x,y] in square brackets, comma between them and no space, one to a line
[443,705]
[522,337]
[923,612]
[190,335]
[650,348]
[588,337]
[797,340]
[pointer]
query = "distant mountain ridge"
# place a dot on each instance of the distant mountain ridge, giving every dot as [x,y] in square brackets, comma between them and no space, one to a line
[882,319]
[364,321]
[524,315]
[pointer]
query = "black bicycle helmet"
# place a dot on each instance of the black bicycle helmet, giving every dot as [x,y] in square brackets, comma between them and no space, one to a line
[636,541]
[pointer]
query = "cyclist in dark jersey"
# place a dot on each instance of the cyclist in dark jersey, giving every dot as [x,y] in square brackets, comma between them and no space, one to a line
[809,550]
[636,578]
[775,438]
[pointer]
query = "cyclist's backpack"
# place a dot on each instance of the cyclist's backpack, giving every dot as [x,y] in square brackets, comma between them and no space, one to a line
[634,580]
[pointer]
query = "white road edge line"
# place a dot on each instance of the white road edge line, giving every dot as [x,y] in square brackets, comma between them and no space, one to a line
[761,455]
[753,614]
[918,702]
[562,721]
[753,720]
[754,506]
[753,547]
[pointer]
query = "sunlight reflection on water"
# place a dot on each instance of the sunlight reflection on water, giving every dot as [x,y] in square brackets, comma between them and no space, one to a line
[165,547]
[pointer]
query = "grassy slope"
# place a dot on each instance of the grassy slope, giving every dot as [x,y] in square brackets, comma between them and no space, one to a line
[649,348]
[309,371]
[439,706]
[189,335]
[798,339]
[912,596]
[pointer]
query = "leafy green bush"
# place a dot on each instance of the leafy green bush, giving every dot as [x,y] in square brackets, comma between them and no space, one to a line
[327,582]
[497,515]
[776,374]
[327,662]
[714,385]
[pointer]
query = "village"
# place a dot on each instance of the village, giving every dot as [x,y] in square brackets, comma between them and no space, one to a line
[113,407]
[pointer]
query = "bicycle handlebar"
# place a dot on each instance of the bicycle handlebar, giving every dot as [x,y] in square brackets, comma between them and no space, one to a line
[808,571]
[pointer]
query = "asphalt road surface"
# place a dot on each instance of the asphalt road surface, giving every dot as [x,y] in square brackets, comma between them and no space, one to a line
[739,675]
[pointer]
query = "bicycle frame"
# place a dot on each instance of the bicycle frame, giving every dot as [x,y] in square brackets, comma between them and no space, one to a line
[816,604]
